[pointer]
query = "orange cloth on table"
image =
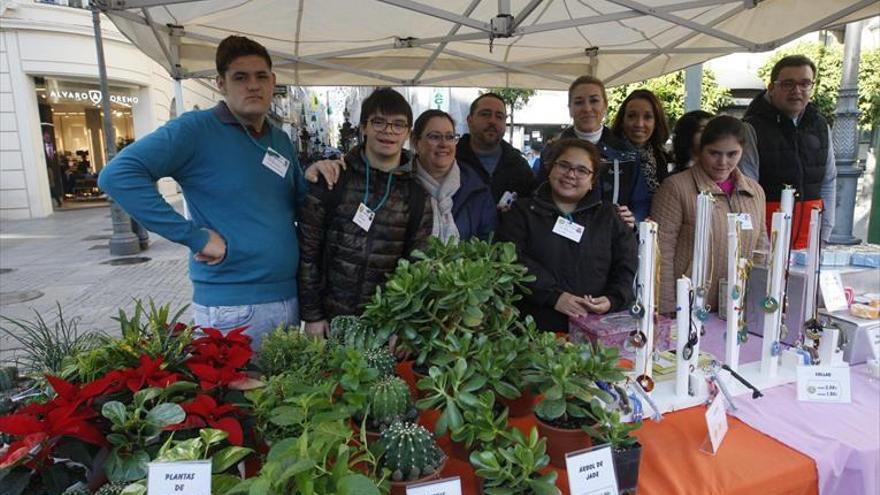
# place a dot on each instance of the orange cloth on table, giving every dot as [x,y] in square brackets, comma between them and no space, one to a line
[800,221]
[747,463]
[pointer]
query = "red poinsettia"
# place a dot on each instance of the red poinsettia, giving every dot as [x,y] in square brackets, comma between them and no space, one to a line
[149,373]
[203,411]
[70,394]
[216,359]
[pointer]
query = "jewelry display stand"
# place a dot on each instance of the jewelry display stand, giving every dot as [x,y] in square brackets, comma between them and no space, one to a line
[736,288]
[683,325]
[647,277]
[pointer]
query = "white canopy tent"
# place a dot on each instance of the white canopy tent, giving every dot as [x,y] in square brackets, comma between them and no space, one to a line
[542,44]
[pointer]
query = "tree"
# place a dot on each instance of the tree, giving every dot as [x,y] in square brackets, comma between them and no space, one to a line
[669,89]
[515,99]
[829,62]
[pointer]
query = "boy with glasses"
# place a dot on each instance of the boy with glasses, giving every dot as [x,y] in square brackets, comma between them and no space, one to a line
[788,142]
[377,213]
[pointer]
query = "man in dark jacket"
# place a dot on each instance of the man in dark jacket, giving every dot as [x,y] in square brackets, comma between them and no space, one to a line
[499,164]
[354,234]
[789,142]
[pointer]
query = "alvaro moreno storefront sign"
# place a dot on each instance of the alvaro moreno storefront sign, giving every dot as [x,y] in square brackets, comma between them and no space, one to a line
[65,92]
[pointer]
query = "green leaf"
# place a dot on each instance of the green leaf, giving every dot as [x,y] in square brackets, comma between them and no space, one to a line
[115,412]
[186,450]
[545,485]
[178,387]
[221,484]
[121,469]
[356,484]
[228,457]
[141,397]
[453,415]
[550,409]
[134,489]
[210,436]
[260,487]
[166,414]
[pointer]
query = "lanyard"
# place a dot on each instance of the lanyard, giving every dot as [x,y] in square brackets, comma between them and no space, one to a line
[367,188]
[568,217]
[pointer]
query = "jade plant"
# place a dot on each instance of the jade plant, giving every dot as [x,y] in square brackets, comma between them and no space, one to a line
[607,428]
[390,400]
[514,467]
[410,452]
[450,389]
[484,423]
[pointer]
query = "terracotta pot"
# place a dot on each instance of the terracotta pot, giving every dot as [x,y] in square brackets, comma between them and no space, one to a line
[459,451]
[562,441]
[399,487]
[519,407]
[626,468]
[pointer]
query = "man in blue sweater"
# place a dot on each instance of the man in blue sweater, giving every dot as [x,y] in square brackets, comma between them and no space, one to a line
[242,183]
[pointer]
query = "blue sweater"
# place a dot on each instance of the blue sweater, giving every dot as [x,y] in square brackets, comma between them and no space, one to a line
[227,189]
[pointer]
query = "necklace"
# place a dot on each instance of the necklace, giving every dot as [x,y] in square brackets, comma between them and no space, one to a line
[769,304]
[645,379]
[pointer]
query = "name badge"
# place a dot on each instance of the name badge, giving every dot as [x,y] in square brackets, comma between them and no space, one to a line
[591,472]
[745,221]
[507,199]
[183,477]
[363,217]
[568,229]
[448,486]
[824,384]
[276,163]
[716,422]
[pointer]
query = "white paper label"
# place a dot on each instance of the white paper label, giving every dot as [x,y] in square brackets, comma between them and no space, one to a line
[447,486]
[745,221]
[183,477]
[716,421]
[276,163]
[824,384]
[364,217]
[568,229]
[832,291]
[591,472]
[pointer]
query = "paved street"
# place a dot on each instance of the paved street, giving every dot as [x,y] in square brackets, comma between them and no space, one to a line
[62,259]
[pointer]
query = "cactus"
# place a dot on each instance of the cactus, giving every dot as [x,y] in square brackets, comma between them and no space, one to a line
[8,378]
[382,360]
[79,488]
[390,400]
[410,451]
[111,489]
[350,331]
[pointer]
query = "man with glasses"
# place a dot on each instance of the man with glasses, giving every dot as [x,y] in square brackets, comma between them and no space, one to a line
[501,166]
[376,213]
[788,142]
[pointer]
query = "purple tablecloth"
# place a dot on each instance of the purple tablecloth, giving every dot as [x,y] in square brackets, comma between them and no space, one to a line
[714,342]
[843,439]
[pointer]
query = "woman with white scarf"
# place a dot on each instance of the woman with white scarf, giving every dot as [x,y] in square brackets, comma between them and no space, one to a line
[461,202]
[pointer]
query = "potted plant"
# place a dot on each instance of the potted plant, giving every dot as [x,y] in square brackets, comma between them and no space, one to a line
[566,375]
[450,390]
[411,454]
[483,424]
[389,400]
[607,428]
[513,467]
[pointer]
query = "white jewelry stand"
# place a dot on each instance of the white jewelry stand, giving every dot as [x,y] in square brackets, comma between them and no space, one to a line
[647,278]
[735,305]
[705,205]
[781,226]
[683,325]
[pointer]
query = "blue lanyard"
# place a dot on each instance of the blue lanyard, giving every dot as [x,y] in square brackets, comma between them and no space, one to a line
[367,188]
[568,217]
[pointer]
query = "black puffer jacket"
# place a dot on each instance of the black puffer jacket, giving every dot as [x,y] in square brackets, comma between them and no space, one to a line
[340,264]
[603,263]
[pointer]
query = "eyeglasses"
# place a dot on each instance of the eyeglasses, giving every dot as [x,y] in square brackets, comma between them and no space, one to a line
[580,171]
[397,126]
[790,84]
[436,138]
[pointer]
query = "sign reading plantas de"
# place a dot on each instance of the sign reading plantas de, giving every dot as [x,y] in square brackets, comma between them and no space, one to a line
[591,472]
[185,478]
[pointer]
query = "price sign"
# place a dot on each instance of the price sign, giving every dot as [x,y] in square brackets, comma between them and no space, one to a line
[824,384]
[591,471]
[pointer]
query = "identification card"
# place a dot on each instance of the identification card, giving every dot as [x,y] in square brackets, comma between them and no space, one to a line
[447,486]
[745,221]
[183,477]
[591,471]
[364,217]
[824,384]
[276,163]
[716,422]
[832,291]
[568,229]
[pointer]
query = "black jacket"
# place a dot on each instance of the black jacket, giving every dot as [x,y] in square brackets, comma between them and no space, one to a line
[340,264]
[789,154]
[603,263]
[512,174]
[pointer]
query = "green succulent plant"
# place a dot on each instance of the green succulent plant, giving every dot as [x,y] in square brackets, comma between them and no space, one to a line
[410,451]
[382,360]
[608,428]
[390,400]
[515,468]
[352,331]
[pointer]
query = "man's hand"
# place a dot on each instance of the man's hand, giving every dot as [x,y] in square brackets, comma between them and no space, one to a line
[598,305]
[329,169]
[214,251]
[627,216]
[317,329]
[571,305]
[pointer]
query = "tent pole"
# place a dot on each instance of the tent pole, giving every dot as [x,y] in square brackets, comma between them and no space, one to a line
[123,241]
[693,78]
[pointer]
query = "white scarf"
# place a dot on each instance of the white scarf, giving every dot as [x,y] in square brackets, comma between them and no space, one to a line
[441,200]
[592,137]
